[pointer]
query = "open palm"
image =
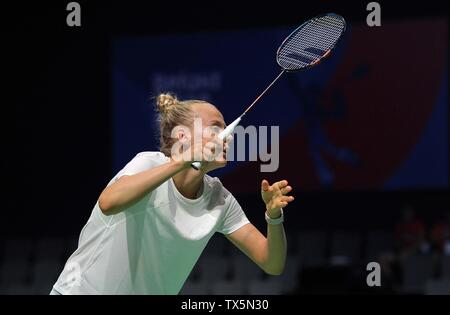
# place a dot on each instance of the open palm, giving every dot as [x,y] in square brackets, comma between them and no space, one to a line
[275,196]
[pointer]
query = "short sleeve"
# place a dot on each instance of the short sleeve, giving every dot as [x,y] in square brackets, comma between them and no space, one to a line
[141,162]
[234,217]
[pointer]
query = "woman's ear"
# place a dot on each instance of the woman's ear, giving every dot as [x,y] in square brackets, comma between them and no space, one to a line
[180,134]
[183,135]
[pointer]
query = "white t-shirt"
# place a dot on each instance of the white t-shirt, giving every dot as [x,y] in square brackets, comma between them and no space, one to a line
[151,247]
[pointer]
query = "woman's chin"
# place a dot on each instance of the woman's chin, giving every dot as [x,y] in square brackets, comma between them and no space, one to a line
[222,163]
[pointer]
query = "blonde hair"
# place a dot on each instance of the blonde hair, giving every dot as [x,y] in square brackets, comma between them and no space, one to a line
[172,113]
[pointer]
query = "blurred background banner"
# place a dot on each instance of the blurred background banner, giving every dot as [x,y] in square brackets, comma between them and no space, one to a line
[372,117]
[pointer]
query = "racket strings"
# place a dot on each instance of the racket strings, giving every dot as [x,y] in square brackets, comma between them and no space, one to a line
[321,33]
[311,36]
[311,42]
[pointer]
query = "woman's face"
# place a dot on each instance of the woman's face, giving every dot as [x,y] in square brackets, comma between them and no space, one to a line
[212,123]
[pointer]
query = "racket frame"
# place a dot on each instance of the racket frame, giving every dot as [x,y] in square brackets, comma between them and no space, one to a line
[326,55]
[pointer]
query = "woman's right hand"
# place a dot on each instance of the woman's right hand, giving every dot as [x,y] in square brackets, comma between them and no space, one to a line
[209,150]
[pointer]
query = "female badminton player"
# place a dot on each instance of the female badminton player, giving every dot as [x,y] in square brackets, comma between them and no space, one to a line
[155,217]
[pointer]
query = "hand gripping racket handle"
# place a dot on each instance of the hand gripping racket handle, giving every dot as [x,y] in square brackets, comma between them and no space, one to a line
[223,135]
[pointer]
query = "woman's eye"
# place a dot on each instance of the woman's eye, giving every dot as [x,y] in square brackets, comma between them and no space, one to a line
[214,130]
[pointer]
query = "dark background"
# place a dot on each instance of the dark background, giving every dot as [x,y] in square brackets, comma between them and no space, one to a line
[56,112]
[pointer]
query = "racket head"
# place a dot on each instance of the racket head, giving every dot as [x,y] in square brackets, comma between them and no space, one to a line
[311,42]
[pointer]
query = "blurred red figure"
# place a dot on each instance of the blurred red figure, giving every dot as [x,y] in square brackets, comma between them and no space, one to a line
[440,235]
[410,233]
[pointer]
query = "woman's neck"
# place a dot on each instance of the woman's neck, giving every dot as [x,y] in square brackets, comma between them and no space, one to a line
[189,182]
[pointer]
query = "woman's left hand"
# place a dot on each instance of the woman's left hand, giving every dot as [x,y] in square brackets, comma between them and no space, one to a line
[275,196]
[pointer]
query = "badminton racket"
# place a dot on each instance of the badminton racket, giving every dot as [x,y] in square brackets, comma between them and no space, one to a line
[304,48]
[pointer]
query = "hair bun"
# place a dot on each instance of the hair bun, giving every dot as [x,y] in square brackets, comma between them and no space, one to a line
[164,101]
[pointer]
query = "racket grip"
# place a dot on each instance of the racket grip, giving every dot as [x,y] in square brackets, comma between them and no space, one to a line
[224,134]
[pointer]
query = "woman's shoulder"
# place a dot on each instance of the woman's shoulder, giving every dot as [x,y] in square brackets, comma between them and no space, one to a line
[141,162]
[152,155]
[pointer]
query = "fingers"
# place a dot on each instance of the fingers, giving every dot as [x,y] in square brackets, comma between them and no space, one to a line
[287,198]
[229,139]
[281,184]
[282,187]
[283,201]
[197,151]
[286,190]
[209,152]
[213,150]
[264,185]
